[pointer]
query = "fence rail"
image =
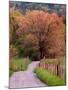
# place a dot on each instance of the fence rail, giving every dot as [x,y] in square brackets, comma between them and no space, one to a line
[54,69]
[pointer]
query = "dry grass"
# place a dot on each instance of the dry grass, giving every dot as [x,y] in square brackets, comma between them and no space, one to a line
[61,61]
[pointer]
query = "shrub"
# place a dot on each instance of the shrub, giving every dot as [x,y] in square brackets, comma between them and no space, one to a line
[11,72]
[18,65]
[13,51]
[34,54]
[48,78]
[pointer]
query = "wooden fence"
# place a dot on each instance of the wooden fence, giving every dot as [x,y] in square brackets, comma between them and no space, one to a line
[54,69]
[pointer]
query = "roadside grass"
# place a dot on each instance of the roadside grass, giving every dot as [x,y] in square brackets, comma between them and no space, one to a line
[48,78]
[18,64]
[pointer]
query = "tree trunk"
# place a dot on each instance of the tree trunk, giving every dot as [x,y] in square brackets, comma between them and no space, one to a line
[41,53]
[41,49]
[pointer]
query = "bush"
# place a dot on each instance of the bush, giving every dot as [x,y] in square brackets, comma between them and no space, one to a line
[48,78]
[34,54]
[13,51]
[11,72]
[18,65]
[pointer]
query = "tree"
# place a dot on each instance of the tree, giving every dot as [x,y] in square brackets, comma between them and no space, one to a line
[48,30]
[13,23]
[56,37]
[39,25]
[14,14]
[28,42]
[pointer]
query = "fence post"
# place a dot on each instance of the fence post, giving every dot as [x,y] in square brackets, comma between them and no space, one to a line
[57,70]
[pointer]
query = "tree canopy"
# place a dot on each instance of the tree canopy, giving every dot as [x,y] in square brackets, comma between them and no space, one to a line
[37,33]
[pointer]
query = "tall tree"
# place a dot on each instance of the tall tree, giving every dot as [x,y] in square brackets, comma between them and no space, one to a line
[13,23]
[47,28]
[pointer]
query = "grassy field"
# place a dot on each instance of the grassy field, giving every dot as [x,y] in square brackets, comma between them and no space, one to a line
[48,78]
[18,64]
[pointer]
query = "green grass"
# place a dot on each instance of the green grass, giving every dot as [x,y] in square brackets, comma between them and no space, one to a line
[19,64]
[48,78]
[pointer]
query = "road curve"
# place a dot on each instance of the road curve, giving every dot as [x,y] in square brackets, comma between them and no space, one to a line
[26,79]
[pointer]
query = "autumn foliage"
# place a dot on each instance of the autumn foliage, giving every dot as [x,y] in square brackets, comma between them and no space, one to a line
[38,34]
